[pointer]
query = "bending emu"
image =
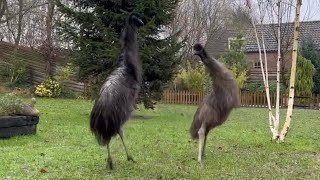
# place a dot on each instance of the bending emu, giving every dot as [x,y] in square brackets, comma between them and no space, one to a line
[216,106]
[118,94]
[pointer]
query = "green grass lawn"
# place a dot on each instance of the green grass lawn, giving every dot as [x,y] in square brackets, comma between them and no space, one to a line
[159,140]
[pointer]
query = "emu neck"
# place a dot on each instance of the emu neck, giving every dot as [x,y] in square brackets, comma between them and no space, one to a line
[130,50]
[224,88]
[216,69]
[130,38]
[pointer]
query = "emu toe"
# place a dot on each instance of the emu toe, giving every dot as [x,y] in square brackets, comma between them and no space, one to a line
[131,159]
[109,163]
[200,163]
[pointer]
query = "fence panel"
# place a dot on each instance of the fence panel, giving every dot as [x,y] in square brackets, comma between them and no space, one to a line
[247,99]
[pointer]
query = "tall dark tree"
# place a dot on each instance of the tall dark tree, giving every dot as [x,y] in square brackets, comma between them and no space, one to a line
[308,51]
[92,29]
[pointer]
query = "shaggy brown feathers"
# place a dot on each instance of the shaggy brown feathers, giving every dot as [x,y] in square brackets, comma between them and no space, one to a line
[217,105]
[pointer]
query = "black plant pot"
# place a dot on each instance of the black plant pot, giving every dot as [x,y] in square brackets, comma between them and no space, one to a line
[17,125]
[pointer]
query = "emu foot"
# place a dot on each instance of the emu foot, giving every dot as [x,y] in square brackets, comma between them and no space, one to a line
[109,163]
[130,158]
[200,163]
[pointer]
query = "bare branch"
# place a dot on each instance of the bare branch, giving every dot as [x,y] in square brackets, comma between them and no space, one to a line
[10,16]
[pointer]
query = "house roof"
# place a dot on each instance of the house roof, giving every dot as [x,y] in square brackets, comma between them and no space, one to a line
[218,42]
[308,29]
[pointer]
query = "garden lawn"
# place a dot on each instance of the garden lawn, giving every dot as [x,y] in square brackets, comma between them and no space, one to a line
[159,141]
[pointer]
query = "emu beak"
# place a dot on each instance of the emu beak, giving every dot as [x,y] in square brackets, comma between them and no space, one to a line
[140,22]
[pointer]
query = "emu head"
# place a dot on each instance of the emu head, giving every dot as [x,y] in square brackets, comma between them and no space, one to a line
[134,20]
[198,50]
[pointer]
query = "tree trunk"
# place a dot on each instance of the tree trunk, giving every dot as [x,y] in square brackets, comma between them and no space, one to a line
[264,76]
[277,120]
[3,7]
[293,73]
[266,85]
[19,30]
[48,42]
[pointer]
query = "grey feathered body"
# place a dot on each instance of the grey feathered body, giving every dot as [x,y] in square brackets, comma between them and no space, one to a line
[217,105]
[118,94]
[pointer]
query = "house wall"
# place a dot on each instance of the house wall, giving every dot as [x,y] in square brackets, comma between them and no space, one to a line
[255,74]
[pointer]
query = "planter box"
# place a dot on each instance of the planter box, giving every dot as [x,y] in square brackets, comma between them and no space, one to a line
[18,125]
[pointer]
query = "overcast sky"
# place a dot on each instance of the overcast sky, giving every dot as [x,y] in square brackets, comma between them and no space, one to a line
[310,10]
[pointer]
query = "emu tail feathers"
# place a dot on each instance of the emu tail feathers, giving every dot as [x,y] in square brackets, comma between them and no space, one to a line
[98,125]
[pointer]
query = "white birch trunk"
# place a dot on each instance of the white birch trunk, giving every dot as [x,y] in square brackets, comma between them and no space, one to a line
[266,85]
[277,120]
[293,73]
[265,81]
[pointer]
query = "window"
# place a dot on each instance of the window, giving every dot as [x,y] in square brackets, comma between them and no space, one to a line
[257,65]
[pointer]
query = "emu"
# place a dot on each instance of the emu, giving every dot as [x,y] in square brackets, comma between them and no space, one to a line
[118,94]
[217,105]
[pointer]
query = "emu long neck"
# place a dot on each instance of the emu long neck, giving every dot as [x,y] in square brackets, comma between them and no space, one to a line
[223,84]
[130,38]
[216,69]
[130,48]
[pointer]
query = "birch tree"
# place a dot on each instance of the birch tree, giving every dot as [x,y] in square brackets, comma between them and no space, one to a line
[274,121]
[293,72]
[279,13]
[264,67]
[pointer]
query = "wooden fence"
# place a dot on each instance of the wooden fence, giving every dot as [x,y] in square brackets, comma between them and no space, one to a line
[36,64]
[248,99]
[182,97]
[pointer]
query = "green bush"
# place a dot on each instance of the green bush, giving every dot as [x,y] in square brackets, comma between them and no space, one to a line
[13,71]
[239,75]
[235,60]
[193,78]
[259,87]
[309,51]
[68,93]
[304,77]
[9,104]
[64,72]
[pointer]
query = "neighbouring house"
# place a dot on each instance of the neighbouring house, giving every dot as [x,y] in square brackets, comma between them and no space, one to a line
[220,42]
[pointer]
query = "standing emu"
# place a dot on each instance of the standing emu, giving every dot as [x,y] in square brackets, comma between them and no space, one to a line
[217,105]
[118,94]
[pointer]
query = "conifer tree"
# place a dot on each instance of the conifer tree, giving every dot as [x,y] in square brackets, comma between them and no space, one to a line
[92,29]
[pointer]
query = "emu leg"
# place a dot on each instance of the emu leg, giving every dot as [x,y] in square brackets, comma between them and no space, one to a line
[204,146]
[129,157]
[109,160]
[202,138]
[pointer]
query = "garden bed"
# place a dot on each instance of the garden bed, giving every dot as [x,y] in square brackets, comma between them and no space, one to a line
[18,125]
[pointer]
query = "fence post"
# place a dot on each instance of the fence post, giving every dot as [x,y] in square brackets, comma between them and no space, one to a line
[246,99]
[188,92]
[171,94]
[318,101]
[176,97]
